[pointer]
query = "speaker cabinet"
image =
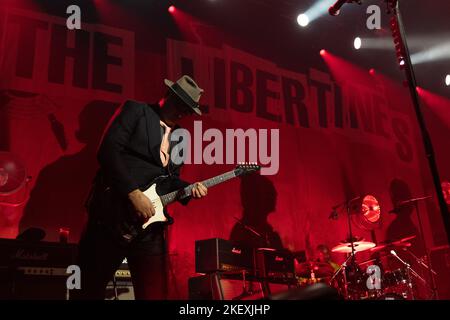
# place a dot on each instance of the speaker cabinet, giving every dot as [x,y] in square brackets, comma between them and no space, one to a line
[217,254]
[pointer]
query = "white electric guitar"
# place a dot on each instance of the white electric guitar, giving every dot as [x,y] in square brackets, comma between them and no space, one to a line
[161,201]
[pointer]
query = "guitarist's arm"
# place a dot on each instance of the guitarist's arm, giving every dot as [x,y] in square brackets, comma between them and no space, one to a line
[113,144]
[115,139]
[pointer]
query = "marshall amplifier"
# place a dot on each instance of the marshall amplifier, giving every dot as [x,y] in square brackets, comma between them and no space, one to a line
[217,254]
[34,270]
[274,264]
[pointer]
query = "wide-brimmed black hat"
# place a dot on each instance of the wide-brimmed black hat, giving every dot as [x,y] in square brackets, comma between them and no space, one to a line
[188,91]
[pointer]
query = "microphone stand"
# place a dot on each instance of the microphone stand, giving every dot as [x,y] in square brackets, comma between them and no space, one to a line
[347,204]
[412,83]
[409,272]
[349,222]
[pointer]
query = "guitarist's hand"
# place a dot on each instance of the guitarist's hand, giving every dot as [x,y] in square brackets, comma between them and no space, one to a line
[199,190]
[142,204]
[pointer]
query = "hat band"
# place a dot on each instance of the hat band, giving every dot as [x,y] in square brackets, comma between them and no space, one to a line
[187,98]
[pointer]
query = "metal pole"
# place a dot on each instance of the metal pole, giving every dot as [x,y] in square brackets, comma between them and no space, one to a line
[429,152]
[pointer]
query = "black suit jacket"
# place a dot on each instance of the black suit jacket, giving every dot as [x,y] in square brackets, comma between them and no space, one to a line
[129,154]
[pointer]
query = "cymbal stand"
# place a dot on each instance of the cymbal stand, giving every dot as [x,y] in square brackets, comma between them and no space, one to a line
[342,268]
[347,204]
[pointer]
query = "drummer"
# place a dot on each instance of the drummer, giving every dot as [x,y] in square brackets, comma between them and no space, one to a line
[323,254]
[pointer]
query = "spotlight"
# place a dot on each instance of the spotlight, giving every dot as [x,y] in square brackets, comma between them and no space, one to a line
[357,43]
[447,80]
[372,71]
[302,20]
[318,9]
[171,9]
[322,52]
[401,62]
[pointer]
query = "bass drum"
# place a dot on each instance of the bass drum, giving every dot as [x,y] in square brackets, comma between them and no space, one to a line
[391,296]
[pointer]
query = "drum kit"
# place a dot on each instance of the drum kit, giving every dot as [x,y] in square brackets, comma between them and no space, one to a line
[375,279]
[385,275]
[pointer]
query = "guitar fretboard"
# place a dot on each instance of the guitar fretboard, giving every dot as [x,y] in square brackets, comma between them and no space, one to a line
[186,192]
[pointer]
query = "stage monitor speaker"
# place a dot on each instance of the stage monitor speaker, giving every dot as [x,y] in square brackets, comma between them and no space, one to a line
[220,286]
[120,290]
[121,287]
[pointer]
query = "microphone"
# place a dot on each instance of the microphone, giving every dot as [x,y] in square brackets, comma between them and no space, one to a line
[334,9]
[395,255]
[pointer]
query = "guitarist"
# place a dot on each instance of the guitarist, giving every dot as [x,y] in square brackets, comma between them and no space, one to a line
[135,149]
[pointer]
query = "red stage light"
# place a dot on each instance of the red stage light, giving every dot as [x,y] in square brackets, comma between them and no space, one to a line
[171,9]
[372,71]
[322,52]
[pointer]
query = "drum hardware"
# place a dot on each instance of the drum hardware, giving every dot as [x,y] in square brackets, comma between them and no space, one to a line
[424,265]
[342,268]
[410,272]
[414,202]
[419,261]
[366,213]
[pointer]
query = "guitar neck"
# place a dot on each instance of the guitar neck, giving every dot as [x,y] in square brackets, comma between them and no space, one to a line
[187,191]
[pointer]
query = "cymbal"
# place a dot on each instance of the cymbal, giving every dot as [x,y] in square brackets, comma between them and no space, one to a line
[390,245]
[398,243]
[359,246]
[320,269]
[406,239]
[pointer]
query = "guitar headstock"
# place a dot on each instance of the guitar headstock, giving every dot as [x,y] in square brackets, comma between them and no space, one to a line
[246,167]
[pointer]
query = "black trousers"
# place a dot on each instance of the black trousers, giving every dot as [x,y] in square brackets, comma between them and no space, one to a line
[100,255]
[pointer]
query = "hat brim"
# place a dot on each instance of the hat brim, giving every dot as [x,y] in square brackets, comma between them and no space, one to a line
[193,106]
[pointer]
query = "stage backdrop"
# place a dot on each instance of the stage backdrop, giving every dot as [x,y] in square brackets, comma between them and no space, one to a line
[342,133]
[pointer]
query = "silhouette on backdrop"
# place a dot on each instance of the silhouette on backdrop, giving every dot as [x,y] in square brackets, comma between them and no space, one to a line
[57,199]
[258,198]
[403,226]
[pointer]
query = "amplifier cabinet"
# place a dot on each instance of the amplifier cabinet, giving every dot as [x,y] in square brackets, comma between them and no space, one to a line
[221,255]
